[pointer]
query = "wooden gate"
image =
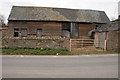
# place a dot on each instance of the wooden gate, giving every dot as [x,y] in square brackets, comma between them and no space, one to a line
[77,44]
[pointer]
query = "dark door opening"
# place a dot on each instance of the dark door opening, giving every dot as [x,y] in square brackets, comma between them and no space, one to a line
[16,34]
[74,30]
[66,30]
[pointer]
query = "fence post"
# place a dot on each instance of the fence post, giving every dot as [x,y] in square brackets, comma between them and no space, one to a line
[70,44]
[105,44]
[82,43]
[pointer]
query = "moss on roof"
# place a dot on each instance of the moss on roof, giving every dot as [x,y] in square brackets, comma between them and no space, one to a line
[57,14]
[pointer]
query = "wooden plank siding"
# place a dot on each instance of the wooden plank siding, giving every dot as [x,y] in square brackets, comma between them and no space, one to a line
[75,30]
[84,30]
[48,28]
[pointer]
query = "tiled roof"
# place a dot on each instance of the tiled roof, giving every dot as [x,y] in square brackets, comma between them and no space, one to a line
[57,14]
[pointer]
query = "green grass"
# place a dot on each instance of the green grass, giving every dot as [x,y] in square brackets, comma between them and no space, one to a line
[33,51]
[47,51]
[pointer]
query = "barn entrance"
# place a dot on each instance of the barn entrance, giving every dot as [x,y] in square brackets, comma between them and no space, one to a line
[74,30]
[66,31]
[70,30]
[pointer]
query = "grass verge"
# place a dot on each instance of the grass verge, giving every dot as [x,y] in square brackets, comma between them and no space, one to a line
[33,51]
[47,51]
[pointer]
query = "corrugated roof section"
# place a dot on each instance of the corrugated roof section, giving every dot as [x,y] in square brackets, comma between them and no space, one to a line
[57,14]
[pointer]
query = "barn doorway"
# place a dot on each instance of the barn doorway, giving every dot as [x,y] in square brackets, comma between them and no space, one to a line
[74,30]
[70,30]
[66,30]
[16,32]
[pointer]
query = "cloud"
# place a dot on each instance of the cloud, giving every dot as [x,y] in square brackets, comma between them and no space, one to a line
[6,6]
[119,8]
[109,6]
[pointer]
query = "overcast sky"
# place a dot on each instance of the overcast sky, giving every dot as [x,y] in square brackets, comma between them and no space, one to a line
[109,6]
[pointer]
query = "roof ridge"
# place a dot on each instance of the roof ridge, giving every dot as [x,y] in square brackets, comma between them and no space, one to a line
[57,8]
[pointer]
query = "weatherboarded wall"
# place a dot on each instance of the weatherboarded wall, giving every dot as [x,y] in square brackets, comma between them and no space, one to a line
[84,30]
[113,40]
[37,43]
[99,40]
[33,28]
[38,29]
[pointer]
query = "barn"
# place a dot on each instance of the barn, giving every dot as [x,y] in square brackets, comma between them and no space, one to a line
[32,26]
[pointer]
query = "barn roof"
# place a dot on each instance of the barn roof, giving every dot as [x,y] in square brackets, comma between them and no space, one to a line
[57,14]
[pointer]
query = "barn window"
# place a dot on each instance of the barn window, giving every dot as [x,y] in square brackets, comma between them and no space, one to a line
[24,32]
[39,32]
[16,32]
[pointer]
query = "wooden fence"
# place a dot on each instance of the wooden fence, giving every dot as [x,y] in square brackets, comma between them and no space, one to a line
[76,44]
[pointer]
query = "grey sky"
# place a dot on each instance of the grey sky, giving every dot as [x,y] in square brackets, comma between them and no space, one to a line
[109,6]
[119,8]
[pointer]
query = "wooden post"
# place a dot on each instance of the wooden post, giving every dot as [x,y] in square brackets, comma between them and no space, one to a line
[70,44]
[82,43]
[105,44]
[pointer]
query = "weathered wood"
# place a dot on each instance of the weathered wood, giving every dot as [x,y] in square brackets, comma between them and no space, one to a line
[74,30]
[45,28]
[75,44]
[84,30]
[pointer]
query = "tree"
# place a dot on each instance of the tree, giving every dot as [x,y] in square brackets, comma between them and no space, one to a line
[2,21]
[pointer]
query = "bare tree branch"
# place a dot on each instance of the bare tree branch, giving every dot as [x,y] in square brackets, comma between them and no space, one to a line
[2,21]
